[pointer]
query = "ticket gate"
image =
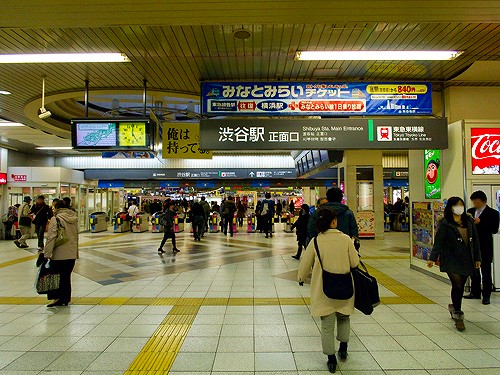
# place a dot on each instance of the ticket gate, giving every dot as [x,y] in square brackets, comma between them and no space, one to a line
[251,223]
[290,219]
[235,223]
[140,223]
[214,222]
[98,222]
[178,224]
[156,227]
[120,222]
[387,223]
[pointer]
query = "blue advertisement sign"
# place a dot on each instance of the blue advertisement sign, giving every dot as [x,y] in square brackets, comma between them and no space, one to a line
[315,98]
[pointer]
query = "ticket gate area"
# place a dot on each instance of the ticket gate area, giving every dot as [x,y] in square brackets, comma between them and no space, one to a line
[98,222]
[121,223]
[179,224]
[251,223]
[156,227]
[214,222]
[289,220]
[140,223]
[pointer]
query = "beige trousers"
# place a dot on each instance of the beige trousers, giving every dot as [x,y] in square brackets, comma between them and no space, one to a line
[328,331]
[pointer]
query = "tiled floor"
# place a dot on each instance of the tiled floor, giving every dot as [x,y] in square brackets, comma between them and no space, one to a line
[229,306]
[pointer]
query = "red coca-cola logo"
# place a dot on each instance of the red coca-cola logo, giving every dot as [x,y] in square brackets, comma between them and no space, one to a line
[485,147]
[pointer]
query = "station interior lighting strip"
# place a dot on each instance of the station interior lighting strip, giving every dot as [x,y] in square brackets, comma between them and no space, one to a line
[377,55]
[42,58]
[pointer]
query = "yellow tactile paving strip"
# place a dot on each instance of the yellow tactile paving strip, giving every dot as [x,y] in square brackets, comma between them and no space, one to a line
[159,353]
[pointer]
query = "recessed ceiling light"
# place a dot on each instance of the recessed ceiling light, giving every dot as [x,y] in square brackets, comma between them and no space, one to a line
[62,58]
[4,92]
[55,148]
[9,124]
[377,55]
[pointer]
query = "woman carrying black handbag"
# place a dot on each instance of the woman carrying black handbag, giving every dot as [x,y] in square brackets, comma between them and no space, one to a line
[337,256]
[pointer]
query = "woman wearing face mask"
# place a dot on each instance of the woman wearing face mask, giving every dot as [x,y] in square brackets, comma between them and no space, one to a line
[457,247]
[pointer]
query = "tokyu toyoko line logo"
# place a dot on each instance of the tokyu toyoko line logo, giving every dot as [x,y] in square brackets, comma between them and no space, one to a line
[485,148]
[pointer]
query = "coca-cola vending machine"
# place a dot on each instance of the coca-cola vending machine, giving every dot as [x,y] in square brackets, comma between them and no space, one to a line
[485,176]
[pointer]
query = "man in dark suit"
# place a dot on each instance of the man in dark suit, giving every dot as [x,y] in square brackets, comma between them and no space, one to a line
[487,221]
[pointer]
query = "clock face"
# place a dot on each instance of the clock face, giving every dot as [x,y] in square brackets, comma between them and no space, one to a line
[132,134]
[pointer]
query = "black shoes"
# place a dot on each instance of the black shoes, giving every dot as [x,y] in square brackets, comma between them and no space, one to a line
[332,364]
[472,296]
[343,351]
[176,250]
[17,243]
[58,303]
[296,257]
[486,301]
[160,251]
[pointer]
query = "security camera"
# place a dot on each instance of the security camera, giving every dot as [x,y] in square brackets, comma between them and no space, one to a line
[44,113]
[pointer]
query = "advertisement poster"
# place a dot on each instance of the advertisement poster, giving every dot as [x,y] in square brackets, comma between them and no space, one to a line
[366,223]
[315,98]
[432,162]
[182,141]
[485,150]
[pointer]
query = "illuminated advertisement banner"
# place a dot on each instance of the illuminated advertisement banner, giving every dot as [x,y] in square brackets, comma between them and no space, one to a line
[315,98]
[432,163]
[485,151]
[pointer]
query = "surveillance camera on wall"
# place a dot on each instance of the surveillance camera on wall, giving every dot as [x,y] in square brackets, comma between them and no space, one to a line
[44,113]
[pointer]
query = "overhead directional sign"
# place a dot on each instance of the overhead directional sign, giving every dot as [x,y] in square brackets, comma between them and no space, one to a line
[325,134]
[315,98]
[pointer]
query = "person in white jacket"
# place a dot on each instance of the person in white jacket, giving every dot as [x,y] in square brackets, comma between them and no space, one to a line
[338,255]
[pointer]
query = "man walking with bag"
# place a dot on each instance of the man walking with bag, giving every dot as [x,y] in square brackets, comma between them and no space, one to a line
[24,221]
[167,221]
[42,213]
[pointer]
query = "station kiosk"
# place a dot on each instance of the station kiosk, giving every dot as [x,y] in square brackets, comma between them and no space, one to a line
[120,222]
[140,223]
[98,222]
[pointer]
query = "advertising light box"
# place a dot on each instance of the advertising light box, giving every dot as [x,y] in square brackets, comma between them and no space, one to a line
[485,147]
[432,163]
[112,134]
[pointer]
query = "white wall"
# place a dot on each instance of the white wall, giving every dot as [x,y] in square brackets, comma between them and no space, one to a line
[471,102]
[19,159]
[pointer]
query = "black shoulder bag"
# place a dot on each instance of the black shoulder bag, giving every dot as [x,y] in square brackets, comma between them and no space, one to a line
[335,285]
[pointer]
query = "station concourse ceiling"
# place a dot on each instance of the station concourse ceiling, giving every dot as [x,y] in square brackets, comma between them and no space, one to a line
[175,45]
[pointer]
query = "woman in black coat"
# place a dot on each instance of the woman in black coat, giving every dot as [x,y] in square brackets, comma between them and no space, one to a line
[457,247]
[301,225]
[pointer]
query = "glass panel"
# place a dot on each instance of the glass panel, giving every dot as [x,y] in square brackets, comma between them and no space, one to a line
[48,192]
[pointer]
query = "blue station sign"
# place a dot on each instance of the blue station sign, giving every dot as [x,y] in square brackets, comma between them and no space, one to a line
[315,98]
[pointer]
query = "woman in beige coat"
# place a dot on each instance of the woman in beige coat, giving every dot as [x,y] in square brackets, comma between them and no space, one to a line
[62,258]
[339,256]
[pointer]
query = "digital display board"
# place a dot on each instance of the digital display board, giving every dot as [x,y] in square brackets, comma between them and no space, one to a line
[112,134]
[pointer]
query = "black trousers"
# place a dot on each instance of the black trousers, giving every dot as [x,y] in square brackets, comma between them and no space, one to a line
[8,229]
[485,274]
[40,233]
[267,223]
[198,226]
[166,236]
[457,289]
[64,268]
[228,221]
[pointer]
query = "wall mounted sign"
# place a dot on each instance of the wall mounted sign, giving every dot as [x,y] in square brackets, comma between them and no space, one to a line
[112,134]
[315,98]
[485,151]
[19,177]
[3,178]
[182,141]
[432,164]
[324,134]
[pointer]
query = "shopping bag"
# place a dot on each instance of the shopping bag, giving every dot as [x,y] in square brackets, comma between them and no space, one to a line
[47,280]
[366,296]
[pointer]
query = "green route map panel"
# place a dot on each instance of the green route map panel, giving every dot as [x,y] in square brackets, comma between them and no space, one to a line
[96,134]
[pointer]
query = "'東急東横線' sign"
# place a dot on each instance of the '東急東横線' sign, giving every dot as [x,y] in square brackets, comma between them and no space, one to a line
[315,98]
[325,134]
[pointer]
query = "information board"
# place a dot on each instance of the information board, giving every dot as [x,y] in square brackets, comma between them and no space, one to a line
[316,98]
[112,134]
[325,134]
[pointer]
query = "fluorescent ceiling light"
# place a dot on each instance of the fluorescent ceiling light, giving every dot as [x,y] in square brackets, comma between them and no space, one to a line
[63,58]
[4,92]
[9,124]
[55,148]
[377,55]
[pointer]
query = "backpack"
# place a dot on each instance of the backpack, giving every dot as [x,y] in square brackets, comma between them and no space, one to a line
[165,221]
[265,209]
